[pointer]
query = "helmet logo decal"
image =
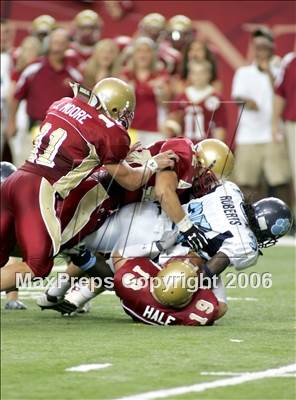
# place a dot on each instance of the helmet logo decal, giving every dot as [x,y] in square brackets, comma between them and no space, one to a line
[280,227]
[262,223]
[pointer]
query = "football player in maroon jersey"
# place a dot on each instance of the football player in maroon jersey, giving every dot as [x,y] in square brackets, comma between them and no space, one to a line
[160,295]
[77,135]
[173,298]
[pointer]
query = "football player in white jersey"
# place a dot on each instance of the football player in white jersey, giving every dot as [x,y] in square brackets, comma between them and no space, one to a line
[145,230]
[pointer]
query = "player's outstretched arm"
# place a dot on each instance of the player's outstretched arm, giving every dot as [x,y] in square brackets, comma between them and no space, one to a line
[118,260]
[133,178]
[216,265]
[165,190]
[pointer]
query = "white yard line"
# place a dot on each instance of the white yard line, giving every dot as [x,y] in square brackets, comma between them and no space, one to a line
[223,373]
[34,293]
[242,298]
[87,367]
[201,387]
[287,241]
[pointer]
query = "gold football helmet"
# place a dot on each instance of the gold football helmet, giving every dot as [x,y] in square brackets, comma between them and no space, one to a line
[215,162]
[43,24]
[173,288]
[180,23]
[87,18]
[117,99]
[152,24]
[180,31]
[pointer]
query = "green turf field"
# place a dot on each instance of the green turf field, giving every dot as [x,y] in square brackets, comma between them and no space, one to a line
[37,347]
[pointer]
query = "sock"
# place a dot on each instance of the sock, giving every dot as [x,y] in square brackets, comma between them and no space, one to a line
[59,287]
[80,295]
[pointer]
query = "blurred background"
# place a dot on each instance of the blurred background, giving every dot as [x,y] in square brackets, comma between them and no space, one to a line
[202,69]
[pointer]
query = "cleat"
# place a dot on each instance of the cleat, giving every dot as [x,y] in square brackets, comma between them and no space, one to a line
[15,305]
[66,308]
[48,302]
[84,309]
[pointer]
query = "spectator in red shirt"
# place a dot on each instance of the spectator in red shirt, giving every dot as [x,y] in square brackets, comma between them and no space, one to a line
[151,85]
[198,112]
[26,54]
[284,108]
[44,82]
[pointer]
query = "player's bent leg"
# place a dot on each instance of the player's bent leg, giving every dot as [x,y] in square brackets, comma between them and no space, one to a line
[14,275]
[55,294]
[7,232]
[77,298]
[12,296]
[101,278]
[13,302]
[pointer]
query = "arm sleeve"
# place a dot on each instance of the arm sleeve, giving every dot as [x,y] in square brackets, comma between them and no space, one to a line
[183,149]
[241,250]
[117,146]
[280,85]
[22,87]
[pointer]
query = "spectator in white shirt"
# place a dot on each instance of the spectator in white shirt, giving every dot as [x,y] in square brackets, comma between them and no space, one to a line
[257,156]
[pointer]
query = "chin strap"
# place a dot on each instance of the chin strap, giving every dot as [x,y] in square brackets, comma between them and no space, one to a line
[267,243]
[85,94]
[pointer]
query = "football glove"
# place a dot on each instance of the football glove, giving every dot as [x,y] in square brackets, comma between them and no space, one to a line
[195,238]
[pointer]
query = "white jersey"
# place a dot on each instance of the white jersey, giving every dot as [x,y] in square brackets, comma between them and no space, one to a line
[136,228]
[221,215]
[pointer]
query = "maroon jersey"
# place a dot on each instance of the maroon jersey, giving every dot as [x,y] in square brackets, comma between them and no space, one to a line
[87,207]
[132,285]
[147,110]
[185,168]
[41,75]
[79,52]
[201,112]
[74,139]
